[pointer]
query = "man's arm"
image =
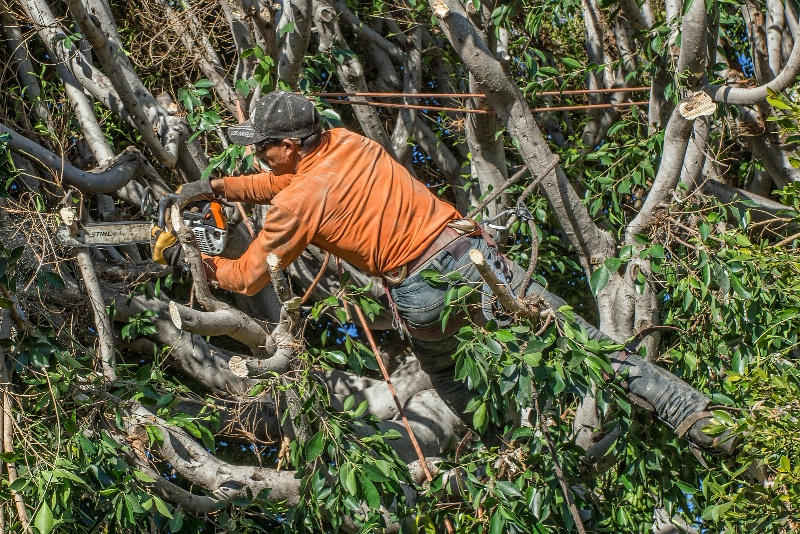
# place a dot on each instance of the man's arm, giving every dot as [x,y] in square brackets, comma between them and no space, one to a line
[284,234]
[253,188]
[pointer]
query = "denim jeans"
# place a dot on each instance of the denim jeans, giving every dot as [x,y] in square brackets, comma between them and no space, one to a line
[420,304]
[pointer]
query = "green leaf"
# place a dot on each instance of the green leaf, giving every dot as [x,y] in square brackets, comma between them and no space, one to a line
[498,523]
[44,520]
[572,64]
[314,446]
[61,473]
[612,264]
[336,356]
[599,279]
[370,493]
[144,477]
[5,303]
[287,29]
[507,488]
[785,465]
[161,506]
[479,417]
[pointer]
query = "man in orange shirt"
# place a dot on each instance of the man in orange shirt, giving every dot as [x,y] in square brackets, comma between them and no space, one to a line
[345,194]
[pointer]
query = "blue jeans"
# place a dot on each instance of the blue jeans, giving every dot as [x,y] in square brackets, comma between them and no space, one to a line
[419,303]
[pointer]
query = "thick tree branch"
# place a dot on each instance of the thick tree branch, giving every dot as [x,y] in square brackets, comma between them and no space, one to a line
[507,100]
[63,48]
[676,138]
[295,43]
[351,73]
[25,72]
[692,60]
[190,353]
[138,102]
[224,481]
[101,320]
[126,167]
[776,22]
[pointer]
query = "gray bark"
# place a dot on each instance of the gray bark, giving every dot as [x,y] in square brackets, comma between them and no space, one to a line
[126,167]
[669,171]
[591,244]
[294,43]
[748,96]
[351,73]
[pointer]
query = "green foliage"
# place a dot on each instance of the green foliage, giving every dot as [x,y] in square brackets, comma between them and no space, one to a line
[199,118]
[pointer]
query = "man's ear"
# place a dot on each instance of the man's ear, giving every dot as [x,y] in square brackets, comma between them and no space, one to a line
[290,145]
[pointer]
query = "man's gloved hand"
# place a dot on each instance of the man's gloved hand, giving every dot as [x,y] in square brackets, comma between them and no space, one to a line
[166,248]
[194,191]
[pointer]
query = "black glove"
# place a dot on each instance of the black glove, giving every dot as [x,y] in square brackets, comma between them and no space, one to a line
[194,191]
[166,248]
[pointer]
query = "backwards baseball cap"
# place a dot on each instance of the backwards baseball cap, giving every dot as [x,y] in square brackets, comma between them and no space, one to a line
[277,115]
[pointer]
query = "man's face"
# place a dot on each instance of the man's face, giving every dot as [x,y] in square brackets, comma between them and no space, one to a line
[280,155]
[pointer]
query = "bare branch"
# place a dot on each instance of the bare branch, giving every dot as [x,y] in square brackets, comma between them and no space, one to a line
[295,42]
[368,33]
[126,167]
[224,481]
[101,320]
[351,73]
[693,59]
[412,80]
[19,50]
[222,322]
[634,15]
[776,21]
[774,156]
[142,108]
[190,353]
[87,75]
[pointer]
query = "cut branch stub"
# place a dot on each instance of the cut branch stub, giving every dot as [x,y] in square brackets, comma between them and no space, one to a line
[500,290]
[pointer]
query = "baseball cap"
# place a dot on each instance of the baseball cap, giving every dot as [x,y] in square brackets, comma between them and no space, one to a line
[277,115]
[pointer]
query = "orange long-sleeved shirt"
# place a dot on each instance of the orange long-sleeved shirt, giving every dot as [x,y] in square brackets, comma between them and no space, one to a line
[350,198]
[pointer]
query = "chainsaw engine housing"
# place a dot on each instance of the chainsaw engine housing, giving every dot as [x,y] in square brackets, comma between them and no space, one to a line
[209,225]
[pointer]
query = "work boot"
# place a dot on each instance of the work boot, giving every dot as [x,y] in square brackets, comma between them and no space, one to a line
[675,402]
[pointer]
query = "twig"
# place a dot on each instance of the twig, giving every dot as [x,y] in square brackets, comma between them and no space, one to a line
[8,443]
[523,288]
[317,279]
[787,240]
[576,516]
[496,193]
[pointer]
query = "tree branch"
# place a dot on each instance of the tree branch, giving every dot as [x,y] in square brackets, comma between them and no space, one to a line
[125,168]
[142,108]
[669,171]
[104,333]
[224,481]
[295,43]
[351,74]
[506,99]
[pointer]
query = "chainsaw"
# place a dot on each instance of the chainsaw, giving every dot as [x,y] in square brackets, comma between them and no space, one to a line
[206,219]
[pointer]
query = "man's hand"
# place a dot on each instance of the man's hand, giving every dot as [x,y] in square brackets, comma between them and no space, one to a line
[194,191]
[166,248]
